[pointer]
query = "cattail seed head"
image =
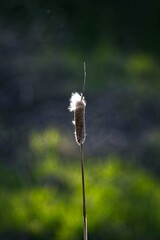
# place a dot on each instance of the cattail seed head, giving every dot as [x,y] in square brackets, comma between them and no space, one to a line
[77,105]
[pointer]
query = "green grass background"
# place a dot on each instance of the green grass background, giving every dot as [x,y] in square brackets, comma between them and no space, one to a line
[123,201]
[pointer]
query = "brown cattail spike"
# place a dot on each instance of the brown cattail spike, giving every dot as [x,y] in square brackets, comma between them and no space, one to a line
[78,104]
[79,119]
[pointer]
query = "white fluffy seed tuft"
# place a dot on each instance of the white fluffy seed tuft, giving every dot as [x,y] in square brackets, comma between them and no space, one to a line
[75,98]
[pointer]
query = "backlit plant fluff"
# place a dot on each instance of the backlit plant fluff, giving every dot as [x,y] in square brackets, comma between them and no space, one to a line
[77,105]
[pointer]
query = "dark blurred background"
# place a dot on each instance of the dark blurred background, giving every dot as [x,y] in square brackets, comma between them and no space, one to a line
[43,45]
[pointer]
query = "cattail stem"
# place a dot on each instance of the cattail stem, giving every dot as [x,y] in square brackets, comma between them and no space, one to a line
[83,195]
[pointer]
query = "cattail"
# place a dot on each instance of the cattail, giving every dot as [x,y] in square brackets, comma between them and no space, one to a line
[78,104]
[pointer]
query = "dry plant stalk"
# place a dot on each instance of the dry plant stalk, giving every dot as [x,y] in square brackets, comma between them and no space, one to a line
[77,105]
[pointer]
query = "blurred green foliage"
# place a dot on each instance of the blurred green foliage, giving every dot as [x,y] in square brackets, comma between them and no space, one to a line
[107,68]
[43,46]
[123,201]
[110,67]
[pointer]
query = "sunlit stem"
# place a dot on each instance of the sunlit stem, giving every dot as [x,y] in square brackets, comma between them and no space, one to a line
[83,196]
[84,81]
